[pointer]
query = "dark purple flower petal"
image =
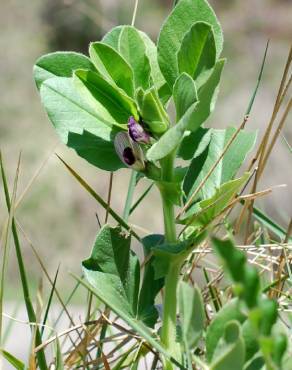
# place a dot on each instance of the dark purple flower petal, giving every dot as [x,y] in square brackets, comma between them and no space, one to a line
[137,132]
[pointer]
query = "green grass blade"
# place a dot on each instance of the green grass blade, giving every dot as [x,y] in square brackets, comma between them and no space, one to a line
[134,206]
[19,365]
[25,287]
[6,240]
[49,301]
[258,82]
[129,200]
[270,224]
[99,199]
[59,359]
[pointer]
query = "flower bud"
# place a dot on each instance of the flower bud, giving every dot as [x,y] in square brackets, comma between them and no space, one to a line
[137,132]
[129,151]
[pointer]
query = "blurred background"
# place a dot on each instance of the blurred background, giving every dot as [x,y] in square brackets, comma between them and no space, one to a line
[56,214]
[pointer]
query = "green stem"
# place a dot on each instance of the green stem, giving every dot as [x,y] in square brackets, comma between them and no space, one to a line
[168,331]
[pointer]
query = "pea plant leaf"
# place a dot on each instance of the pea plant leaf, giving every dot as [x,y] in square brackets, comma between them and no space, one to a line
[132,48]
[230,352]
[80,127]
[230,311]
[205,212]
[226,168]
[192,314]
[197,54]
[98,92]
[112,65]
[194,116]
[156,77]
[114,272]
[184,94]
[59,64]
[194,143]
[179,22]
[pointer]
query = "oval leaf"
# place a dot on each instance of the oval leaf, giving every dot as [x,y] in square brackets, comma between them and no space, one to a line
[179,22]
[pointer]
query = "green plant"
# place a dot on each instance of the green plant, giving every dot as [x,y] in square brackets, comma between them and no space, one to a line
[112,108]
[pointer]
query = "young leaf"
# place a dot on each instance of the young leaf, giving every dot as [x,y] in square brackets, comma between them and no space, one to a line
[132,48]
[152,110]
[206,211]
[172,138]
[197,54]
[112,65]
[59,64]
[157,79]
[227,167]
[179,22]
[207,96]
[230,352]
[184,94]
[230,311]
[98,91]
[192,313]
[196,114]
[81,128]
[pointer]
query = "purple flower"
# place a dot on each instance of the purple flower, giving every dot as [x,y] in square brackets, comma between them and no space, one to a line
[137,132]
[129,151]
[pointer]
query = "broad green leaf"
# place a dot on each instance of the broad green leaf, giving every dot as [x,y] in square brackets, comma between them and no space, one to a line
[194,143]
[196,114]
[112,65]
[115,271]
[192,313]
[112,39]
[132,48]
[184,94]
[59,64]
[97,91]
[230,352]
[206,211]
[112,272]
[113,268]
[182,18]
[230,311]
[15,362]
[207,96]
[156,75]
[226,168]
[197,54]
[88,132]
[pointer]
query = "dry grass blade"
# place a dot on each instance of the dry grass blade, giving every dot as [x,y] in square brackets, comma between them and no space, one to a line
[81,350]
[275,137]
